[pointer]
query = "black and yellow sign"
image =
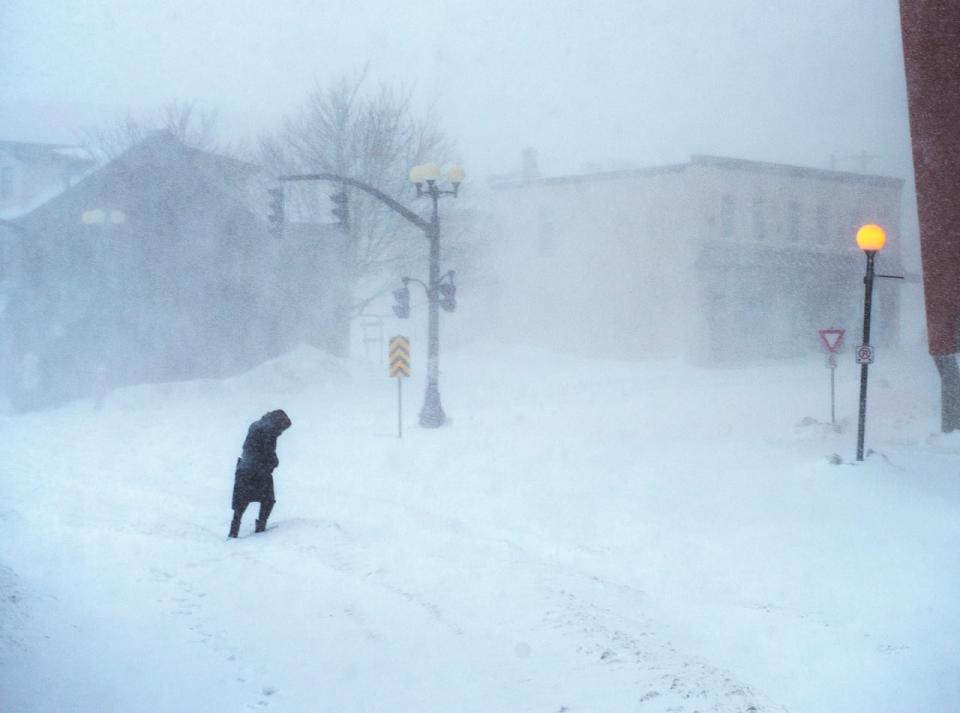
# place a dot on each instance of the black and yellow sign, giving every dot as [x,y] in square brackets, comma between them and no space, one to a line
[399,357]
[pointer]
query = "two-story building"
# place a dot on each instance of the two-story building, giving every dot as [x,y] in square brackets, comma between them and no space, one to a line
[160,266]
[718,260]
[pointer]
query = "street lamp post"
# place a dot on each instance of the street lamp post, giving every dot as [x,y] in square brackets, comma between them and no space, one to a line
[871,239]
[439,293]
[431,415]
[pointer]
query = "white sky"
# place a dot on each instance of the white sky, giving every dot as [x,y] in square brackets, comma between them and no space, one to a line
[605,81]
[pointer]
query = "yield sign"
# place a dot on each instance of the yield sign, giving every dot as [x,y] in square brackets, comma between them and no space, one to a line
[832,338]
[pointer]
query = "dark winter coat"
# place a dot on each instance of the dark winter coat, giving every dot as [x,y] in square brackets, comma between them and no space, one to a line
[253,481]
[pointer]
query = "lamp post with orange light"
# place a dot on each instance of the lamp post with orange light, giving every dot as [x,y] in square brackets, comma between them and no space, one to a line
[870,238]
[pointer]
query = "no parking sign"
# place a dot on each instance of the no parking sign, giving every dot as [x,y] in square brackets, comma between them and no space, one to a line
[864,354]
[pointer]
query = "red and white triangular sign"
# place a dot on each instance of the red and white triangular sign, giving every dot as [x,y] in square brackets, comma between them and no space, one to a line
[832,338]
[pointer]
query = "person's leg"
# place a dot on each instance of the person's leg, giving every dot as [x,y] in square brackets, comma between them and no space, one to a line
[265,507]
[237,515]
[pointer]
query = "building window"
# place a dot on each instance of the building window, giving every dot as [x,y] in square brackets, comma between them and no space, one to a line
[848,222]
[886,219]
[794,214]
[759,219]
[6,182]
[848,229]
[823,222]
[728,216]
[546,244]
[6,259]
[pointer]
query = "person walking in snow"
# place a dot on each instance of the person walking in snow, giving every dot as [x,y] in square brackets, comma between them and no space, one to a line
[253,482]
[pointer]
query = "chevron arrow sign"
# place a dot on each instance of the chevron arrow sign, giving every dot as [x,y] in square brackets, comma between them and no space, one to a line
[399,357]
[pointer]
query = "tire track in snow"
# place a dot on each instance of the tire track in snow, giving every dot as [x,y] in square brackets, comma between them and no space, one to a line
[658,673]
[656,670]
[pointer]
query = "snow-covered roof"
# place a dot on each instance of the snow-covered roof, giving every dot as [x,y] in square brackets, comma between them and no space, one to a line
[46,153]
[701,160]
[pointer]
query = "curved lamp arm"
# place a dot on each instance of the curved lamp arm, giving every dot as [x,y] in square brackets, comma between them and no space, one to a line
[407,280]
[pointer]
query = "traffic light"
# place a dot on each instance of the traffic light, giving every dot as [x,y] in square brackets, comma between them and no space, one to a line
[448,296]
[276,212]
[340,209]
[402,307]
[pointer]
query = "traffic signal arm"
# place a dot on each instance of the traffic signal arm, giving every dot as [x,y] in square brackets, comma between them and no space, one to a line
[375,192]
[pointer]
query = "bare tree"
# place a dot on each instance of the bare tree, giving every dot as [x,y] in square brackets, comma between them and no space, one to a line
[370,134]
[181,118]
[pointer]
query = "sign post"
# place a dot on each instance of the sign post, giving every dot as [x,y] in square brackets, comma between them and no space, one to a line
[399,369]
[832,339]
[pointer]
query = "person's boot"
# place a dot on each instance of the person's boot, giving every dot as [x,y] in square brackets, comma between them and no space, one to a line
[265,509]
[234,527]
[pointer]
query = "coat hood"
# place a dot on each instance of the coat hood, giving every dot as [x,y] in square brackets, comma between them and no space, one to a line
[277,421]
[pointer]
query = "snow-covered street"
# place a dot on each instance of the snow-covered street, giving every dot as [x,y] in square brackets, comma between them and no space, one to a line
[584,535]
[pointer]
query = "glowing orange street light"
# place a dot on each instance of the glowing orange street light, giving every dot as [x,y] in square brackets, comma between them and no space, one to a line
[870,238]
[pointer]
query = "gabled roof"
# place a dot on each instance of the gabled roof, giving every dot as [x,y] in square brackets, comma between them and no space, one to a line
[160,164]
[163,145]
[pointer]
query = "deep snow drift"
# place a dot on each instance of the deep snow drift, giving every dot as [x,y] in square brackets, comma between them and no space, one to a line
[583,536]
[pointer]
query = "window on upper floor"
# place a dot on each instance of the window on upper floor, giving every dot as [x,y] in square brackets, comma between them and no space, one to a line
[6,182]
[546,243]
[848,228]
[728,216]
[759,218]
[823,223]
[6,259]
[885,218]
[794,221]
